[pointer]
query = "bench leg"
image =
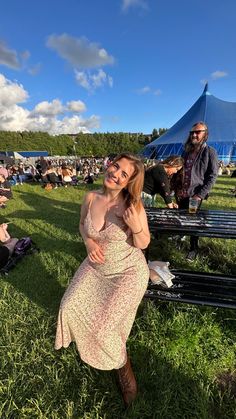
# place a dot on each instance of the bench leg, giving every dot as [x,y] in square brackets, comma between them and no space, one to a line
[194,243]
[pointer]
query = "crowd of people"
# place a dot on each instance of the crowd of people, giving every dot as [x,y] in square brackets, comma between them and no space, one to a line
[53,172]
[99,306]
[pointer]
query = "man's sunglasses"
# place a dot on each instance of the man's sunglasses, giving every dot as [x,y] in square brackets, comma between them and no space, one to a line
[197,131]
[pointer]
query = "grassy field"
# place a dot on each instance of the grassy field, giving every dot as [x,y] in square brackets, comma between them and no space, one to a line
[184,357]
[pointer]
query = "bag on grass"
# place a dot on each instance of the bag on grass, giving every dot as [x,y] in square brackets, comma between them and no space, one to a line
[23,247]
[48,187]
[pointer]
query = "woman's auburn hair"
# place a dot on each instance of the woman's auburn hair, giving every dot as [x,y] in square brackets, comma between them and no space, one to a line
[133,190]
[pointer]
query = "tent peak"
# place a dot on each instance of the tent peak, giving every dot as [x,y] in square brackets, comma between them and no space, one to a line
[206,91]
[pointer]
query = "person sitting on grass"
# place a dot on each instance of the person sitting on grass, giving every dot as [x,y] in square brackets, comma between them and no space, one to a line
[66,175]
[52,177]
[89,178]
[5,191]
[8,244]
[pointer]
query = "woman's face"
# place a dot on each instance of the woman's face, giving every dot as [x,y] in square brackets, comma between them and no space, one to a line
[173,170]
[118,174]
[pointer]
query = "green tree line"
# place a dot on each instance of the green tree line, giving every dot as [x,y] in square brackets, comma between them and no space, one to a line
[96,144]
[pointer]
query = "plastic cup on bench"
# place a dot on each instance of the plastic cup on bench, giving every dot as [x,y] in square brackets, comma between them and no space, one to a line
[193,205]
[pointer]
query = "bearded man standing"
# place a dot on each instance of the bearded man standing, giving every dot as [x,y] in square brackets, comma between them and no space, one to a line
[199,174]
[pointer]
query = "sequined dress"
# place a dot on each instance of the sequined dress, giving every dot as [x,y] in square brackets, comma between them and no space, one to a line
[98,308]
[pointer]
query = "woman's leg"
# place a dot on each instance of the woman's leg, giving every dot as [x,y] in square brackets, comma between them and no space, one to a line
[127,383]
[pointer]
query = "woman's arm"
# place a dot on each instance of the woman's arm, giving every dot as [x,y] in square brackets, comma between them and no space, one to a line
[137,222]
[94,251]
[4,235]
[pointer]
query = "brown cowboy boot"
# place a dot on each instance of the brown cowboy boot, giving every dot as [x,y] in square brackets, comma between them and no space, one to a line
[127,383]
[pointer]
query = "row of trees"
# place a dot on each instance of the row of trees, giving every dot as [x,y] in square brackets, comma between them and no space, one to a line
[99,144]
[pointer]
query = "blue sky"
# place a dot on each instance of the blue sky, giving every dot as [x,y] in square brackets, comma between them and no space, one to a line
[112,65]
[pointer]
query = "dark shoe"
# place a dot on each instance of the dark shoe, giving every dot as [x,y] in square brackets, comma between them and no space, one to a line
[3,206]
[191,256]
[127,383]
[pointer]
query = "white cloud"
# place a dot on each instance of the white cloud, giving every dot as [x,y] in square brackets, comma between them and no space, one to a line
[79,52]
[126,4]
[48,108]
[143,90]
[11,92]
[157,92]
[147,89]
[82,79]
[110,81]
[8,57]
[76,106]
[92,81]
[25,55]
[17,61]
[47,116]
[98,79]
[66,125]
[35,69]
[218,74]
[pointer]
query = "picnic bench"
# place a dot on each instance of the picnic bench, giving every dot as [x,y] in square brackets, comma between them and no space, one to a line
[188,286]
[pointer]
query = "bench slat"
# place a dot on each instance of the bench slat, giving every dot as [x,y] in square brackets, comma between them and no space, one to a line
[194,300]
[197,288]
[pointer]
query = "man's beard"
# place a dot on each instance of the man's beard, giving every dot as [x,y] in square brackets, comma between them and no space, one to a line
[191,147]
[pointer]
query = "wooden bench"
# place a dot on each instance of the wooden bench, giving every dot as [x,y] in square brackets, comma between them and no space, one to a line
[197,288]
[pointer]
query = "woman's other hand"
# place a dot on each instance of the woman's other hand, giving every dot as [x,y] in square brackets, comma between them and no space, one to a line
[95,253]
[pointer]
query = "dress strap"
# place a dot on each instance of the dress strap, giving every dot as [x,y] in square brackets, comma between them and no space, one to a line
[91,200]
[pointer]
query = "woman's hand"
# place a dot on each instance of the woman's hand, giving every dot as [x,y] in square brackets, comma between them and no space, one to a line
[132,220]
[95,253]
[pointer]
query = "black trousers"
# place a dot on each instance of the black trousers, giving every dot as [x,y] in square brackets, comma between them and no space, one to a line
[184,204]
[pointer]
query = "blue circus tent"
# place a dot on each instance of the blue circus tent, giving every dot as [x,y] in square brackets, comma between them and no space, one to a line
[220,117]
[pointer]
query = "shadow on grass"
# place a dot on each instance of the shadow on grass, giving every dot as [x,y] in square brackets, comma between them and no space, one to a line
[38,276]
[164,391]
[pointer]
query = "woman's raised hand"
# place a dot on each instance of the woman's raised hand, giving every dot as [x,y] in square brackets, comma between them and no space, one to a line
[132,220]
[95,253]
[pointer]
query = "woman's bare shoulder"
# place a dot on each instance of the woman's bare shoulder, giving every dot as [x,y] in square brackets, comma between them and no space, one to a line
[92,194]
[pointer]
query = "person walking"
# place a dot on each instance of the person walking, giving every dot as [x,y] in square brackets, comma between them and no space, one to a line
[99,307]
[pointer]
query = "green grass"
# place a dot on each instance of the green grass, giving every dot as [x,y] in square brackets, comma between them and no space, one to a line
[178,351]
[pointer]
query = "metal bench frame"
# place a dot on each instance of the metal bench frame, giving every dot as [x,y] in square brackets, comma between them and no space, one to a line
[191,287]
[199,288]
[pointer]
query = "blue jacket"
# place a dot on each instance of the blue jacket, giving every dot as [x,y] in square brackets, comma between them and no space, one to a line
[204,172]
